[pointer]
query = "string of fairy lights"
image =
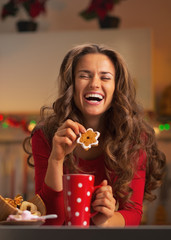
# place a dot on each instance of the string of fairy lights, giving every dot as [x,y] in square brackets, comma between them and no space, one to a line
[162,128]
[165,126]
[26,123]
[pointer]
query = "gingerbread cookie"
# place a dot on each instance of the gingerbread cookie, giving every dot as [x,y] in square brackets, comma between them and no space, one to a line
[88,139]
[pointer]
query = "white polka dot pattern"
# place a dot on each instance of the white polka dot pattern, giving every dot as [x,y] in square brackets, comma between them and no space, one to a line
[88,193]
[77,214]
[78,200]
[90,178]
[78,189]
[68,177]
[84,223]
[80,185]
[68,208]
[86,209]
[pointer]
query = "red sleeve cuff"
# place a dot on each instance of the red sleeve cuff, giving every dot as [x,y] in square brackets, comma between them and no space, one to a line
[54,203]
[49,194]
[131,218]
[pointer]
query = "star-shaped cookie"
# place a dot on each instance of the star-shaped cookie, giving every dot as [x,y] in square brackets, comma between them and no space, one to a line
[88,139]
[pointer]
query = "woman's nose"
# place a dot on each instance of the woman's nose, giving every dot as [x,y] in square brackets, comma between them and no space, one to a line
[95,82]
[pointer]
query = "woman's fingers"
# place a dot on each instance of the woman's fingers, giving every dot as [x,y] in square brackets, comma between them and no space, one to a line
[104,206]
[105,195]
[67,132]
[104,202]
[104,187]
[69,129]
[108,213]
[104,199]
[64,140]
[75,126]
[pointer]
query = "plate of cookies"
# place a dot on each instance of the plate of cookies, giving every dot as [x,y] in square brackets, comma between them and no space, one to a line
[22,222]
[19,212]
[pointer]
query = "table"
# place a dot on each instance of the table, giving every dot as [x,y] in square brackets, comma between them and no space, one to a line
[92,233]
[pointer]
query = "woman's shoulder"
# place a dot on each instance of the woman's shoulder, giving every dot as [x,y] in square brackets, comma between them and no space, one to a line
[41,147]
[38,135]
[38,131]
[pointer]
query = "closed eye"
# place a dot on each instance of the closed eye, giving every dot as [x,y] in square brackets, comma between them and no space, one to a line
[106,78]
[84,77]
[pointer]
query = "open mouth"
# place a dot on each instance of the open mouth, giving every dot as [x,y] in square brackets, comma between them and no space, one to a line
[94,97]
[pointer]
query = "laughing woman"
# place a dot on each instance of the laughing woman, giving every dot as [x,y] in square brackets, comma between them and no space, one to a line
[96,91]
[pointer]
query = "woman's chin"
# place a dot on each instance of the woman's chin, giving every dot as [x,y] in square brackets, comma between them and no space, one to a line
[92,114]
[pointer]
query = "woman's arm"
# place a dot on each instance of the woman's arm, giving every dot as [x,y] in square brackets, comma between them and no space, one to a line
[49,164]
[134,212]
[64,142]
[53,200]
[104,203]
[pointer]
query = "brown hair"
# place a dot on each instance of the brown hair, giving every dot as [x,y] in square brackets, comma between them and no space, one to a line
[126,133]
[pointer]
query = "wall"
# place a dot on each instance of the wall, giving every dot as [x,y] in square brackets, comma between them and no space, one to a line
[29,64]
[154,14]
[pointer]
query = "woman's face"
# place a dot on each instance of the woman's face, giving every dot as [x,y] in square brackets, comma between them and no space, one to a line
[94,84]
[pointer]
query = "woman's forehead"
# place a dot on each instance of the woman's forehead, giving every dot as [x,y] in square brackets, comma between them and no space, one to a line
[91,60]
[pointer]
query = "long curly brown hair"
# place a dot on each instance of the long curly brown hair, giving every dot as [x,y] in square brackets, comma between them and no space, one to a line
[126,133]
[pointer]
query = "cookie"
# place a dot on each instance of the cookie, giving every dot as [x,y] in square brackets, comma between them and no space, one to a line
[17,205]
[25,205]
[88,139]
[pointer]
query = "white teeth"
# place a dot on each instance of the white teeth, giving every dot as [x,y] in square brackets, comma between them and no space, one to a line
[94,95]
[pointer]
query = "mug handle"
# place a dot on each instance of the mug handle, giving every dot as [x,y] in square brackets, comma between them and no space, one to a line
[94,189]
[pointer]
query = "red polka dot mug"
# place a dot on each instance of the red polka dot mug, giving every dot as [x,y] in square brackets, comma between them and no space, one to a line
[78,190]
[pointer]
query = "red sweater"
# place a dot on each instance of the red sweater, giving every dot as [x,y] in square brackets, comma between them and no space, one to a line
[54,200]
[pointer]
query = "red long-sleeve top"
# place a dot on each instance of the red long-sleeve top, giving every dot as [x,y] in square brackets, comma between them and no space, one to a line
[54,200]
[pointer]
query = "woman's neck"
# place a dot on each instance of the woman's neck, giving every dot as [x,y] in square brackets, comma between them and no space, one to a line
[92,153]
[92,122]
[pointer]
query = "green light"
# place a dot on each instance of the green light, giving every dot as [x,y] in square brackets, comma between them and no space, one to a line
[4,125]
[167,126]
[32,122]
[161,127]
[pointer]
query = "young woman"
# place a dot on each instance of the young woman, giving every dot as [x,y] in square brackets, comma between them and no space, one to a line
[96,90]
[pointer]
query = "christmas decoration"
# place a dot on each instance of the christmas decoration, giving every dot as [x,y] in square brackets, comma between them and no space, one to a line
[33,7]
[25,122]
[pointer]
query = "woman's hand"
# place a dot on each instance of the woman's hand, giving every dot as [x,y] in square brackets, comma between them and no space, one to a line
[104,204]
[64,140]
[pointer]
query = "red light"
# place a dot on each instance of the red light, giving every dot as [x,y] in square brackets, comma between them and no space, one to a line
[1,117]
